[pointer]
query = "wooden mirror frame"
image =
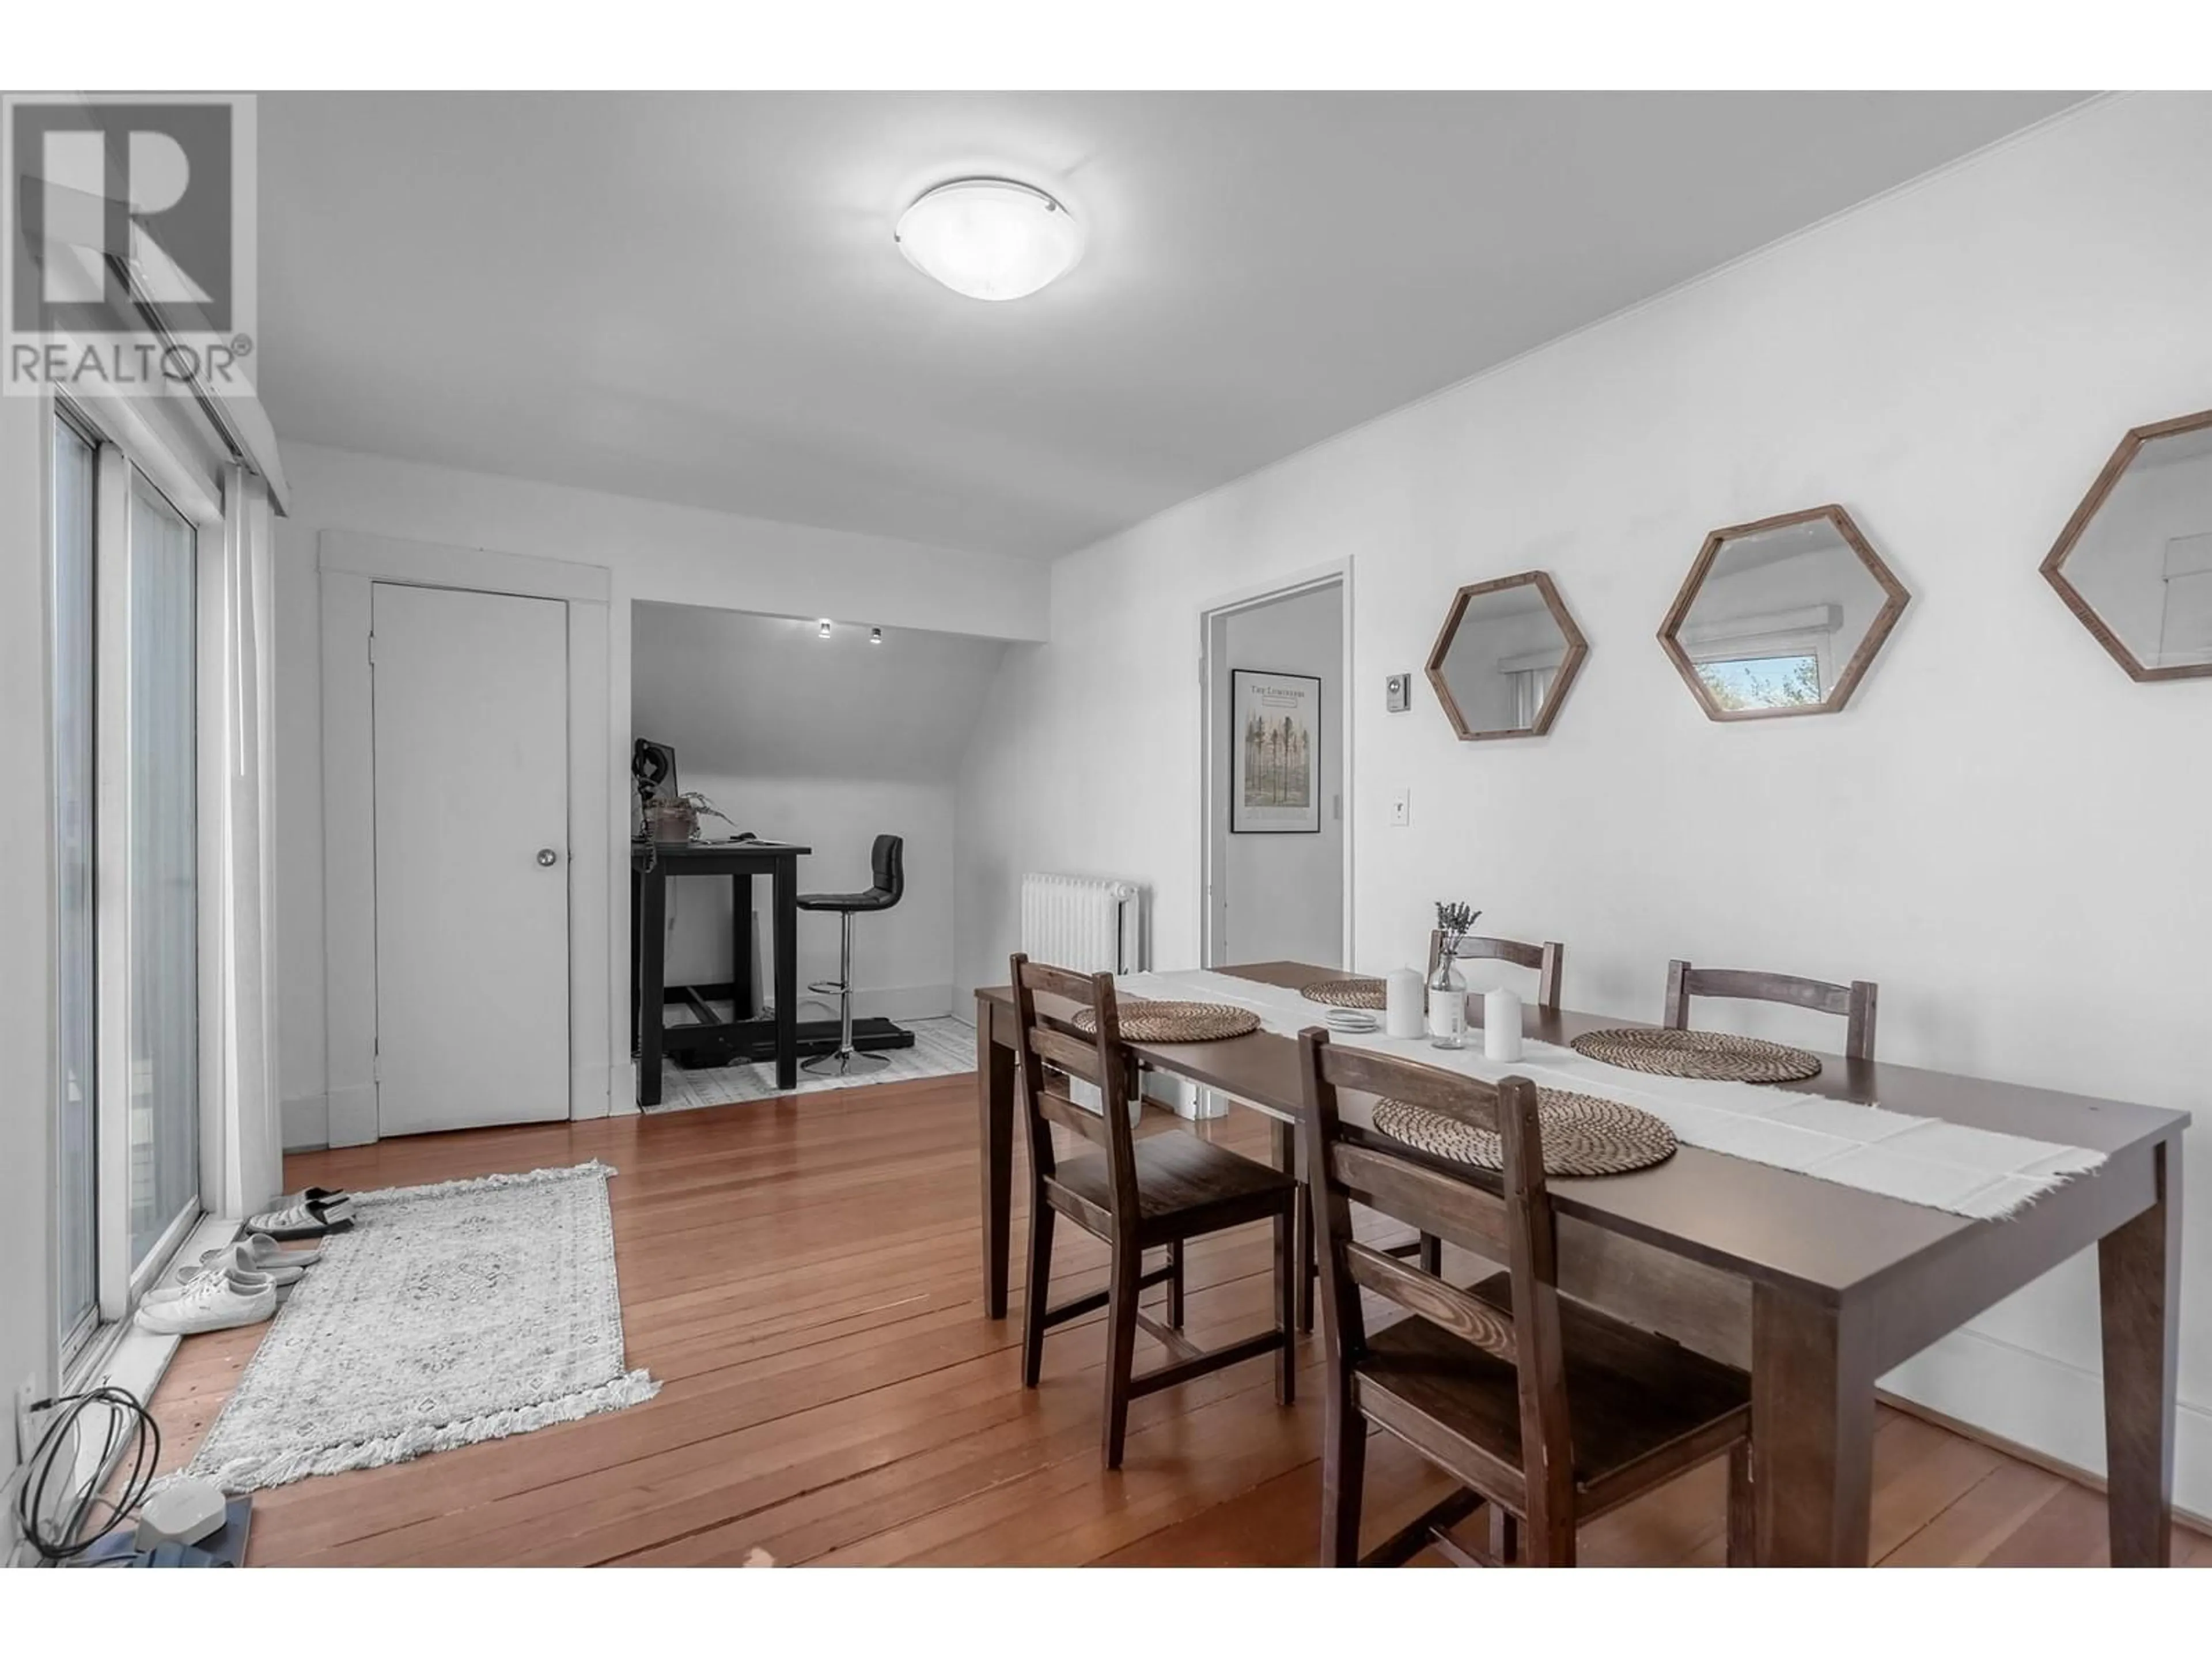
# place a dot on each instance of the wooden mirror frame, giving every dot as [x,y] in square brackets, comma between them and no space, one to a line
[1562,681]
[2054,562]
[1897,597]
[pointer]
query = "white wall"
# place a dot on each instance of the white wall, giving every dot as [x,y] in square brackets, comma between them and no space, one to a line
[26,895]
[1284,894]
[655,552]
[2003,829]
[828,743]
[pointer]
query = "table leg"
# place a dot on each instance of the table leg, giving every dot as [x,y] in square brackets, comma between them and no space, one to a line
[2138,1276]
[741,945]
[994,1101]
[1812,1432]
[786,973]
[651,960]
[1301,1225]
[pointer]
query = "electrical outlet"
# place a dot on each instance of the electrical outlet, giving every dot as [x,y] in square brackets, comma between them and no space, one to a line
[28,1423]
[1401,808]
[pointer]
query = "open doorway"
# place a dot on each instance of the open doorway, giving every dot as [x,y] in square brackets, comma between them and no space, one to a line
[1278,763]
[833,736]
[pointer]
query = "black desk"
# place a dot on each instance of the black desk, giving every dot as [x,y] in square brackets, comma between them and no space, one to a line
[650,867]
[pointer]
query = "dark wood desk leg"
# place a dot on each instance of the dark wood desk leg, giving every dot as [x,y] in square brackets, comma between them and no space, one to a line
[1812,1432]
[741,945]
[652,972]
[786,973]
[994,1103]
[2138,1278]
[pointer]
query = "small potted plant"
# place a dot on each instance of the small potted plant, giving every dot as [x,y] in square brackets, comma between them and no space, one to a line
[1448,985]
[674,819]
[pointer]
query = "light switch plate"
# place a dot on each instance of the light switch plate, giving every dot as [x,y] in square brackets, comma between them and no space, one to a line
[1401,693]
[1401,808]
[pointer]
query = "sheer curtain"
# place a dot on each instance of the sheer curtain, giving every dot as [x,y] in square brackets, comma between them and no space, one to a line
[164,1108]
[248,1168]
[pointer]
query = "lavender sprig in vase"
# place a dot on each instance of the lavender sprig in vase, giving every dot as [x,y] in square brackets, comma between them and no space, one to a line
[1447,984]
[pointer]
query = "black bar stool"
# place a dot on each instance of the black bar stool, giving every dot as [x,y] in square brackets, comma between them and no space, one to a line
[887,865]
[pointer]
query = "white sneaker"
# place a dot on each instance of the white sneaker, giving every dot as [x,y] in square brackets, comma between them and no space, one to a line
[257,1253]
[217,1301]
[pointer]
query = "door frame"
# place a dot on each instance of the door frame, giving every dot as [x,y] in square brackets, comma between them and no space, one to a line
[1213,724]
[350,564]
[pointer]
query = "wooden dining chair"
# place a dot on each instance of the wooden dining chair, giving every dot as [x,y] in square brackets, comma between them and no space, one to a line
[1548,960]
[1547,1410]
[1855,1002]
[1134,1194]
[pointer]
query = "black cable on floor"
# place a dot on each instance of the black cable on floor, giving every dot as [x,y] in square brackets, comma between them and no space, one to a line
[126,1415]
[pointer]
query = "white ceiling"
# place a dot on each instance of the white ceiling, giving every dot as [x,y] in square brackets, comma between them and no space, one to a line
[696,298]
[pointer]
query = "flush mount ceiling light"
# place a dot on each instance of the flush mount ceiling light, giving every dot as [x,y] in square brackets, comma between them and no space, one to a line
[989,239]
[823,631]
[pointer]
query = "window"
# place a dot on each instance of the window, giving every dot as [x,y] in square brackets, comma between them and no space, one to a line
[124,624]
[164,1108]
[76,989]
[1762,682]
[1530,687]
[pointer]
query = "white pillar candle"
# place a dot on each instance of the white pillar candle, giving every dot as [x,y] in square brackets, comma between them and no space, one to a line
[1401,1004]
[1501,1025]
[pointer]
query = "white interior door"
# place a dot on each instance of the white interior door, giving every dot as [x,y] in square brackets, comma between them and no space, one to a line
[470,701]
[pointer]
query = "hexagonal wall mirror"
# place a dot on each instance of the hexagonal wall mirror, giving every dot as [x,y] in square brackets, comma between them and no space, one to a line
[1507,658]
[1782,617]
[2135,561]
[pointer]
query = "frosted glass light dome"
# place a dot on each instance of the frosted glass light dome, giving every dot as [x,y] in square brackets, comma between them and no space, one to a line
[989,239]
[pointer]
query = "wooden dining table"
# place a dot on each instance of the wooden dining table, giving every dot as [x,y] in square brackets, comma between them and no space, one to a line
[1817,1289]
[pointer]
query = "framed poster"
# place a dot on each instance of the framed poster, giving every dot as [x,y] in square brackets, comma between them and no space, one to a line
[1274,754]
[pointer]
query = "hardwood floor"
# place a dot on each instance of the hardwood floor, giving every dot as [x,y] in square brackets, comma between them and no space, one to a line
[802,1276]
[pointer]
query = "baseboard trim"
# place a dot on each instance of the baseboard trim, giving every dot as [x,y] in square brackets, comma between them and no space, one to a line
[2028,1455]
[2043,1411]
[886,1001]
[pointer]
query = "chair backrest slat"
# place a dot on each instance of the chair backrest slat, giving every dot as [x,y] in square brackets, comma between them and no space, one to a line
[1515,1224]
[1853,1003]
[1051,1040]
[1548,960]
[1488,1328]
[1057,1108]
[1057,982]
[1373,1073]
[1456,1212]
[1073,1056]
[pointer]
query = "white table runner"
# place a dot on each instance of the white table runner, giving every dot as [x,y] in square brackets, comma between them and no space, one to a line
[1921,1160]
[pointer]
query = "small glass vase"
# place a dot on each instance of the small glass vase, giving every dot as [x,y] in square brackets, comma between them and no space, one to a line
[1448,1005]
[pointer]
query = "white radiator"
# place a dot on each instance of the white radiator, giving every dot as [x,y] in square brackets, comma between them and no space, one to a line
[1083,923]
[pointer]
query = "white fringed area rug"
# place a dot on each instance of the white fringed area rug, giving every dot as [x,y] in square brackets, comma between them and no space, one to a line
[465,1311]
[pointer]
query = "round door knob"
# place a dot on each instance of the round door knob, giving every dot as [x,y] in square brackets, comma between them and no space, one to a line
[548,857]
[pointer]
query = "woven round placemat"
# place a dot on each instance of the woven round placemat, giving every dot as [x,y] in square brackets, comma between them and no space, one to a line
[1177,1022]
[1713,1056]
[1345,993]
[1582,1135]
